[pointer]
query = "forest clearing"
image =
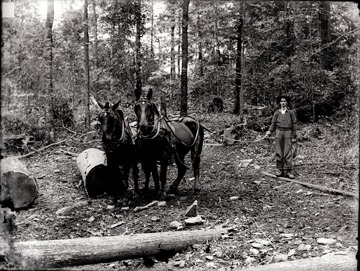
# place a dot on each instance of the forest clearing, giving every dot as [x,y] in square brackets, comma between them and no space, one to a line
[261,97]
[270,220]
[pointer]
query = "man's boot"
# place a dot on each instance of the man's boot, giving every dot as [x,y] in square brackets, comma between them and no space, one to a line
[289,175]
[279,173]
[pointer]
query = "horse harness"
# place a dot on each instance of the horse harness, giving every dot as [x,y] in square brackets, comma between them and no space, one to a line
[113,144]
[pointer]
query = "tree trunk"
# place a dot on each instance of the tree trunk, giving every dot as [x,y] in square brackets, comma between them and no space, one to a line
[172,35]
[329,262]
[137,50]
[152,30]
[200,66]
[179,46]
[86,65]
[78,251]
[18,186]
[113,80]
[95,33]
[91,164]
[324,17]
[51,137]
[239,41]
[184,59]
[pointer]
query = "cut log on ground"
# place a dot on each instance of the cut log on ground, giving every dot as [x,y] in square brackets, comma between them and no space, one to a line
[18,187]
[329,262]
[317,187]
[92,166]
[78,251]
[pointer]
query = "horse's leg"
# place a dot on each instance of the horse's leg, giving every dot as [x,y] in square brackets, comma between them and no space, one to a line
[196,169]
[179,160]
[147,170]
[195,157]
[163,173]
[155,175]
[135,174]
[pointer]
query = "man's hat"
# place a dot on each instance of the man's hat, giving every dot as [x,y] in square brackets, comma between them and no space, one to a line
[287,98]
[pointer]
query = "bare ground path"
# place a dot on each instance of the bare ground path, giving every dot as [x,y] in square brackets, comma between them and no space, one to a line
[271,220]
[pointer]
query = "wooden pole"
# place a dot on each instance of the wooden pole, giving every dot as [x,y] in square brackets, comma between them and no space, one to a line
[329,262]
[317,187]
[79,251]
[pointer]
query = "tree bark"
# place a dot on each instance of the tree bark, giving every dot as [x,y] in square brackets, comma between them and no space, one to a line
[19,188]
[200,66]
[91,164]
[324,17]
[86,65]
[172,43]
[49,73]
[138,50]
[238,72]
[184,59]
[95,33]
[79,251]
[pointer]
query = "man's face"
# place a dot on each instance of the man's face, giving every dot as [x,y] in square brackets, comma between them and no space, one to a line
[283,102]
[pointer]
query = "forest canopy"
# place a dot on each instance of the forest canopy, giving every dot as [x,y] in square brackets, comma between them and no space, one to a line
[308,50]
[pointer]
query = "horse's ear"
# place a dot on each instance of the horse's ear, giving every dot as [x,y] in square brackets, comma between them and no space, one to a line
[116,105]
[149,94]
[100,104]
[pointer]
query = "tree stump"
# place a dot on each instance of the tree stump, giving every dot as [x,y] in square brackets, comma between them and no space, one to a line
[92,166]
[18,187]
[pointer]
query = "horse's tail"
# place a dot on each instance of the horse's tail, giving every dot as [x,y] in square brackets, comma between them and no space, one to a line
[198,131]
[197,149]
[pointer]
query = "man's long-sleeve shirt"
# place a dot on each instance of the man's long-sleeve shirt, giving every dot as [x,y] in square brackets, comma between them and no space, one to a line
[286,121]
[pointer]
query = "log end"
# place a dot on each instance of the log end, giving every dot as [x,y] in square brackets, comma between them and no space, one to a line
[18,190]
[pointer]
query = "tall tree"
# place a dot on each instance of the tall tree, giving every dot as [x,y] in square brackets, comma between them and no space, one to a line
[324,17]
[86,64]
[239,95]
[93,2]
[184,58]
[49,71]
[172,39]
[138,22]
[199,64]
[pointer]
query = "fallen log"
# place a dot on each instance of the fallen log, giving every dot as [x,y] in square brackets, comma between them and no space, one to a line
[79,251]
[92,166]
[317,187]
[18,186]
[328,262]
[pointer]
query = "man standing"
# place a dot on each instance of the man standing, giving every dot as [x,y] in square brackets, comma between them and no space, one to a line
[284,123]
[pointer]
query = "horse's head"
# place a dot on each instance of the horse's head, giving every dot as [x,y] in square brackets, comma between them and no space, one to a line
[147,114]
[111,122]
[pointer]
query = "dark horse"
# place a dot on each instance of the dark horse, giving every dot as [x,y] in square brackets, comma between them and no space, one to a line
[119,148]
[159,139]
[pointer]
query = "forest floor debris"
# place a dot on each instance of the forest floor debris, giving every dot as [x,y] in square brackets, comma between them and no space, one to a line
[272,220]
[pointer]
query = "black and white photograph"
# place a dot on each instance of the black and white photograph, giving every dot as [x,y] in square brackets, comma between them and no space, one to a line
[179,135]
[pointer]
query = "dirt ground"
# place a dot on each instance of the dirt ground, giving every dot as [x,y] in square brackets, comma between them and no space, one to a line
[271,220]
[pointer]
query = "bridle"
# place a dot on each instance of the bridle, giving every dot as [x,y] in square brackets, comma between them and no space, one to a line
[118,118]
[157,118]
